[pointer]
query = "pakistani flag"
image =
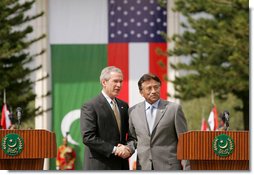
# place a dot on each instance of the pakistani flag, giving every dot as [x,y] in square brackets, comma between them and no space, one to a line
[86,36]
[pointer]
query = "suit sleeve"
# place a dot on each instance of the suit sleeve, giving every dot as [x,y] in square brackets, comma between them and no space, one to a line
[88,125]
[181,126]
[180,121]
[132,138]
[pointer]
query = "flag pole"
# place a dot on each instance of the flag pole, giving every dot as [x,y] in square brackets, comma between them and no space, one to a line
[202,116]
[4,97]
[212,97]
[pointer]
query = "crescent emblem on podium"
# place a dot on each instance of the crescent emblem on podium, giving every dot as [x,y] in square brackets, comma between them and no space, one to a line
[224,146]
[12,145]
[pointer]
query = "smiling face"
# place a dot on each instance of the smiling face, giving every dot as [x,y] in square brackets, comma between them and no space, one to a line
[113,85]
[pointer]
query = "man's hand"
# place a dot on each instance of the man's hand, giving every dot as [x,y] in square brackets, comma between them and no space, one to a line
[123,151]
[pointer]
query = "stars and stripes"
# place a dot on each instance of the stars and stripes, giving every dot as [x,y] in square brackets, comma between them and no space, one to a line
[136,21]
[134,37]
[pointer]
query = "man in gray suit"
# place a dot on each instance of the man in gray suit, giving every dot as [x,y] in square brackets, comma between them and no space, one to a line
[154,126]
[104,125]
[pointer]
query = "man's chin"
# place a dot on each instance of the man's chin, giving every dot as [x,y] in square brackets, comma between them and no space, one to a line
[154,99]
[116,94]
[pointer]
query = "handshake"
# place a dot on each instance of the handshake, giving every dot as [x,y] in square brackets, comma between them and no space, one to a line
[123,151]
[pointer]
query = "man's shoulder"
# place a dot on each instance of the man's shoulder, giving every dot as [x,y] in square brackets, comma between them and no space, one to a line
[93,100]
[171,103]
[137,106]
[121,101]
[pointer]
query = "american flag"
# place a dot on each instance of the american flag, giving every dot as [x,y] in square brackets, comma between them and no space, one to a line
[136,21]
[135,30]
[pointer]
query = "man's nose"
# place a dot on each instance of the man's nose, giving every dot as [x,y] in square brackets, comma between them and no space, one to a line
[119,83]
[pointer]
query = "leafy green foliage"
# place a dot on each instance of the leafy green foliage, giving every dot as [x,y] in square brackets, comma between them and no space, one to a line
[216,39]
[15,57]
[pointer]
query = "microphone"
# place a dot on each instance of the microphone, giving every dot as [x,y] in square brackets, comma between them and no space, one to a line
[225,119]
[19,114]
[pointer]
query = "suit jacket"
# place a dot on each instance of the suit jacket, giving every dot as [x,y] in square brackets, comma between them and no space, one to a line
[100,134]
[160,148]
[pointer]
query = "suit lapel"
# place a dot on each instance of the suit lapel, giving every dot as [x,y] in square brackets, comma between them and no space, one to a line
[108,110]
[160,112]
[121,111]
[142,112]
[104,104]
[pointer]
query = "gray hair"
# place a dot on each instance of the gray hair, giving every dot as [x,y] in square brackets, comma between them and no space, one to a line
[105,73]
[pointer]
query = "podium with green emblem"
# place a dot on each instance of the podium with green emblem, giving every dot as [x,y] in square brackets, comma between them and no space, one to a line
[26,149]
[215,150]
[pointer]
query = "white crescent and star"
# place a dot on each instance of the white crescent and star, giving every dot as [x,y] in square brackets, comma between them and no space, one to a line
[12,145]
[223,146]
[66,123]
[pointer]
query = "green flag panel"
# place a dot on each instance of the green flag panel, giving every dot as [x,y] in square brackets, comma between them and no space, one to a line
[75,80]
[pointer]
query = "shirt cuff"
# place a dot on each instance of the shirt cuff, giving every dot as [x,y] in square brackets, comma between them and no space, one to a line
[114,150]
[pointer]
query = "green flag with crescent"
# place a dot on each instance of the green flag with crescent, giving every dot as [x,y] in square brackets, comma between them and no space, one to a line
[75,80]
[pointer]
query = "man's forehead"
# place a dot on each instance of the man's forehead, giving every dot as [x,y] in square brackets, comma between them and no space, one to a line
[151,82]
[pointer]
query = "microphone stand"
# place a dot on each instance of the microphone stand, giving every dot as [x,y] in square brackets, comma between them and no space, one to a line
[19,114]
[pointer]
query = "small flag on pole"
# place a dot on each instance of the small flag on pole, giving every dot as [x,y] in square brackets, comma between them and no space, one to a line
[204,125]
[213,119]
[5,120]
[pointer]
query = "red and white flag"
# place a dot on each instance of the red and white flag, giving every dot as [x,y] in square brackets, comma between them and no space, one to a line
[5,120]
[213,119]
[204,125]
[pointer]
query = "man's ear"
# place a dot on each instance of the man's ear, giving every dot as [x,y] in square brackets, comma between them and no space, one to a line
[103,82]
[141,93]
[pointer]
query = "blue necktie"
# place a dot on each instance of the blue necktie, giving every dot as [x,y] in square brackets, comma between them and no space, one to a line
[150,118]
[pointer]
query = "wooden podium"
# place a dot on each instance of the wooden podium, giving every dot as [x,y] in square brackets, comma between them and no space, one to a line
[37,145]
[198,148]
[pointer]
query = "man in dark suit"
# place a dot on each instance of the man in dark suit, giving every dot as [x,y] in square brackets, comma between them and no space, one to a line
[104,125]
[154,128]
